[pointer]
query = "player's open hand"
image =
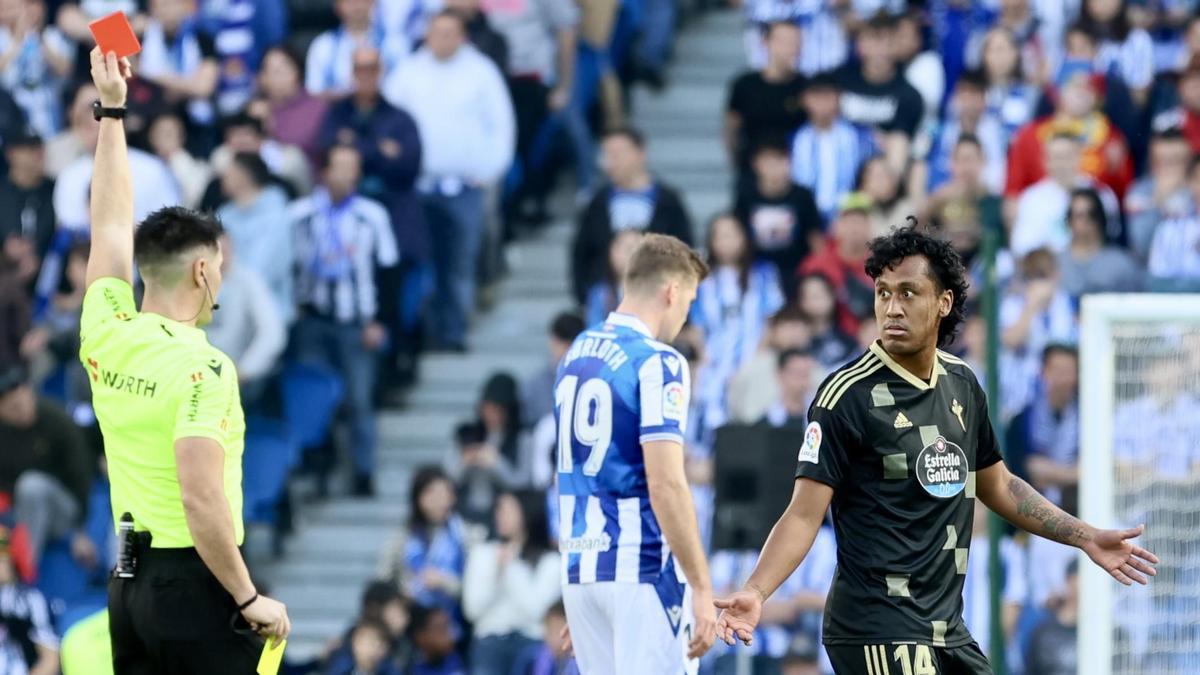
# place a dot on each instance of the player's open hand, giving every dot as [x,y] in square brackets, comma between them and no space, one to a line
[740,613]
[1125,561]
[706,624]
[109,73]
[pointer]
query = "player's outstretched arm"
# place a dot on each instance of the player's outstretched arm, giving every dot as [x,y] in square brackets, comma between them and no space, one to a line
[671,500]
[112,187]
[788,543]
[1016,501]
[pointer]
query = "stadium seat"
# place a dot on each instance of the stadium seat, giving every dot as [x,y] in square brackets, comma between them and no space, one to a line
[69,588]
[266,464]
[55,385]
[60,578]
[95,601]
[311,396]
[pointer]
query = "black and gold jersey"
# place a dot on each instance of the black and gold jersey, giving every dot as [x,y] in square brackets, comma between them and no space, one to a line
[901,455]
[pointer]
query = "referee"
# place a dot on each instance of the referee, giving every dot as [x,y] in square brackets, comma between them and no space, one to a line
[168,406]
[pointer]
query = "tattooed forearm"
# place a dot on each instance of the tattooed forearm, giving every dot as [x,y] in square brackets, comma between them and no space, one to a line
[1043,518]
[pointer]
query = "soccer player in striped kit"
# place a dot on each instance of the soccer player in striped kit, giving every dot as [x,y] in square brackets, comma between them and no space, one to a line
[635,582]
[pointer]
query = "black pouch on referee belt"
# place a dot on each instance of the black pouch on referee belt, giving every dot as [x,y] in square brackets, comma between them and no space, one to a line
[129,545]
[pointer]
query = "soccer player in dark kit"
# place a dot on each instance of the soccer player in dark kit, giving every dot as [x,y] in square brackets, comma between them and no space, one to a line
[899,443]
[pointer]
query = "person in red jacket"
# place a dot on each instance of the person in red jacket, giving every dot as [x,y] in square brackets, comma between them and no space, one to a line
[1105,153]
[841,262]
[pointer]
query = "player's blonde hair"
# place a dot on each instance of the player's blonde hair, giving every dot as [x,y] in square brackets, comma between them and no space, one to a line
[660,259]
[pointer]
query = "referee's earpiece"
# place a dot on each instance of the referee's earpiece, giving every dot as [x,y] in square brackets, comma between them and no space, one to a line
[208,290]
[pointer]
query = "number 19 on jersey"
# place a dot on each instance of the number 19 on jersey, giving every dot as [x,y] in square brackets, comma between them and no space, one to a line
[585,416]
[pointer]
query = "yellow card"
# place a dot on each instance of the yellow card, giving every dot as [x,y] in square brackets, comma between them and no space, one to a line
[272,657]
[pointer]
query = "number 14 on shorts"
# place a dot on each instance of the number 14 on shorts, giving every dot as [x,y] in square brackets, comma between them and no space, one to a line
[910,659]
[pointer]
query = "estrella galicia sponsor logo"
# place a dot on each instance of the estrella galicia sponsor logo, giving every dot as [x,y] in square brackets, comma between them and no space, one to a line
[942,468]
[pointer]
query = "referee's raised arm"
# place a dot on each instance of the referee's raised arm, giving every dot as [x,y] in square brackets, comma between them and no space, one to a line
[112,185]
[181,599]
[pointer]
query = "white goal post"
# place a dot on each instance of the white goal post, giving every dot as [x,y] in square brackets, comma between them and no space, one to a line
[1109,324]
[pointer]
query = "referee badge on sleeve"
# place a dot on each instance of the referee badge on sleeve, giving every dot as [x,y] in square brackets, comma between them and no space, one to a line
[812,443]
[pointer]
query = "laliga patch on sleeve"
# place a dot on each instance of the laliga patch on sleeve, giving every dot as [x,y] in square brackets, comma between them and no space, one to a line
[674,401]
[812,444]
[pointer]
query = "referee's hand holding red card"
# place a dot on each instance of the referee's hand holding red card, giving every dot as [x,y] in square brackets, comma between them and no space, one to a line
[110,74]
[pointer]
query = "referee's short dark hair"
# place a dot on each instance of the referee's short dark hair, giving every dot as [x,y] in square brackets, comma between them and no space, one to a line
[169,233]
[945,267]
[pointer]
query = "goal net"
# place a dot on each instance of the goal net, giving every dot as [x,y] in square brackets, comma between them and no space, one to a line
[1140,463]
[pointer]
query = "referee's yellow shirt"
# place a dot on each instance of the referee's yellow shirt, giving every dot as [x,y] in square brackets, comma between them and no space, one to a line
[155,381]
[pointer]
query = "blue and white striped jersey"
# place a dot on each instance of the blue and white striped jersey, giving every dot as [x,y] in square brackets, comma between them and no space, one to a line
[617,388]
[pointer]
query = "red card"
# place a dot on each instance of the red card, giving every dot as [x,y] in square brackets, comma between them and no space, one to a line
[113,33]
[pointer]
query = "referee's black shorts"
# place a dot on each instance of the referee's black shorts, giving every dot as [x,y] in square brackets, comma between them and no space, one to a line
[906,658]
[174,618]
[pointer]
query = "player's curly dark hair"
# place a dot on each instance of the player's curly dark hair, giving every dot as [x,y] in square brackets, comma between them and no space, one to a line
[944,263]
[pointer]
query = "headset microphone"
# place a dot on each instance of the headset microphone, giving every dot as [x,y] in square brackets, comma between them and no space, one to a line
[207,290]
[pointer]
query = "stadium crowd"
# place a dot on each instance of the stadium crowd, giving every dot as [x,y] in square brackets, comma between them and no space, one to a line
[370,163]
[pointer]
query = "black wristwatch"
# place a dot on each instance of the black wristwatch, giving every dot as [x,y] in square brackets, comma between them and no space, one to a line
[100,112]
